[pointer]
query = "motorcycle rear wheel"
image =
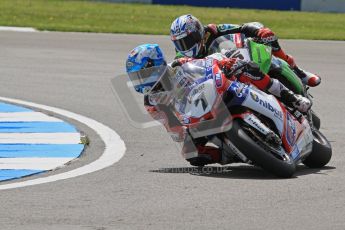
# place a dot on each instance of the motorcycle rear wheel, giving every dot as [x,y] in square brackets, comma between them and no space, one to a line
[267,160]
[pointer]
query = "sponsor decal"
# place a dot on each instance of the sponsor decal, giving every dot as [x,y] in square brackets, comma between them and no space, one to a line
[239,89]
[269,39]
[181,79]
[267,105]
[223,27]
[209,64]
[194,92]
[197,90]
[254,96]
[290,130]
[256,125]
[236,151]
[219,81]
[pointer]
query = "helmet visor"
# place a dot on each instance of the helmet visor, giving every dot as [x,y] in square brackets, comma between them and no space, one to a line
[187,42]
[147,76]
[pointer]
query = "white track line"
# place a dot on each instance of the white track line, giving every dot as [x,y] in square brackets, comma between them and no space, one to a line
[17,29]
[27,117]
[114,147]
[34,163]
[39,138]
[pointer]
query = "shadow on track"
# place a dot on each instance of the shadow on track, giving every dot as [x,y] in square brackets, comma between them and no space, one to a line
[240,171]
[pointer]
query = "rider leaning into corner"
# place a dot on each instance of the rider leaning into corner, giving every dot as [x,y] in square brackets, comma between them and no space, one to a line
[147,69]
[192,39]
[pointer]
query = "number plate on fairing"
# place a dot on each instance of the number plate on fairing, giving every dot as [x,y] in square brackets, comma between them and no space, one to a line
[198,101]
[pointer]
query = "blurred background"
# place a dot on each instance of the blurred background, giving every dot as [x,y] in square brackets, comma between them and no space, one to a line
[292,19]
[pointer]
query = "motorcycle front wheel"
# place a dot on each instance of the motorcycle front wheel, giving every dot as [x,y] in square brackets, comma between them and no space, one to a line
[280,166]
[321,153]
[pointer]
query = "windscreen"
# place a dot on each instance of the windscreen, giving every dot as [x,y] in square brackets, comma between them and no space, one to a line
[225,42]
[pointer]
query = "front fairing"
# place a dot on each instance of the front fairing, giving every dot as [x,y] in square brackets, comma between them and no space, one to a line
[194,92]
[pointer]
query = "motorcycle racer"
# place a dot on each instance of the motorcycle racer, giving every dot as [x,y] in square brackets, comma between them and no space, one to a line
[192,39]
[146,68]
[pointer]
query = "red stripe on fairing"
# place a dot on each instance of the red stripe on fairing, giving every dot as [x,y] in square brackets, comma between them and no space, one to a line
[299,127]
[288,148]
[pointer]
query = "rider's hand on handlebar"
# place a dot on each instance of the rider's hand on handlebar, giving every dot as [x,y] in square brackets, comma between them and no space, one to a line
[180,61]
[227,65]
[233,66]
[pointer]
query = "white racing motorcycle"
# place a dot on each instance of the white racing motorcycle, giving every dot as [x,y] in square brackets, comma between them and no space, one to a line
[249,125]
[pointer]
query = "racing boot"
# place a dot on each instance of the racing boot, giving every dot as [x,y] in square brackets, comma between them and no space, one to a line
[302,104]
[307,78]
[206,155]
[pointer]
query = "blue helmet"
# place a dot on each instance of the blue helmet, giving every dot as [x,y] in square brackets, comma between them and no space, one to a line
[187,34]
[145,65]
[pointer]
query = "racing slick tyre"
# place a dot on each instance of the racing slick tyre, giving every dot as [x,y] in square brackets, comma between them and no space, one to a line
[322,151]
[281,167]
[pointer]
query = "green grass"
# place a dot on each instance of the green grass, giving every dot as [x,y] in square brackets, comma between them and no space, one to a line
[89,16]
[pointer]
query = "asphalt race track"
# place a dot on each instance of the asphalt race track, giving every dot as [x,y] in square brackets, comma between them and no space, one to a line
[72,71]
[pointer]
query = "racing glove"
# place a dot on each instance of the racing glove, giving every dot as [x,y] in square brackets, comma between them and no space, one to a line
[266,35]
[180,61]
[231,66]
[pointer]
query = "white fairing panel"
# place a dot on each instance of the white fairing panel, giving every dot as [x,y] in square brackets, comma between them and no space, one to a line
[266,105]
[304,143]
